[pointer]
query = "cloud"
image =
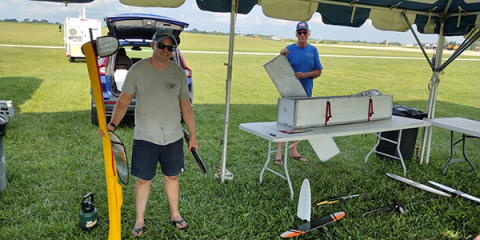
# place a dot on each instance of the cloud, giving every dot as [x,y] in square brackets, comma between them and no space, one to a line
[221,17]
[317,19]
[278,22]
[368,22]
[3,5]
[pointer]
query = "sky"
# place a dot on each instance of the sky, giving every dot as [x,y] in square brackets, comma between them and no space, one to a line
[254,22]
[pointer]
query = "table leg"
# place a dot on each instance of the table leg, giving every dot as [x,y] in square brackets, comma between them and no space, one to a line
[465,155]
[268,160]
[285,157]
[424,141]
[451,160]
[400,153]
[379,137]
[451,153]
[265,166]
[374,147]
[429,142]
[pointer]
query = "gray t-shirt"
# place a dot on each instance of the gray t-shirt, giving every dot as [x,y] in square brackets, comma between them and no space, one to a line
[158,94]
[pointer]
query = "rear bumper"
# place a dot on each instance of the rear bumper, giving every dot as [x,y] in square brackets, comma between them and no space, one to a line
[109,108]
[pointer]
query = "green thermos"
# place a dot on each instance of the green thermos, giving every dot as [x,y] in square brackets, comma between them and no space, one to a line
[88,213]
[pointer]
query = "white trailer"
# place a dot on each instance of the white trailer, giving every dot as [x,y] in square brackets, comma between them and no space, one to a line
[76,33]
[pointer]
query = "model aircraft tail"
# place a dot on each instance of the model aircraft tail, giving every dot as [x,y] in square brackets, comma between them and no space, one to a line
[304,202]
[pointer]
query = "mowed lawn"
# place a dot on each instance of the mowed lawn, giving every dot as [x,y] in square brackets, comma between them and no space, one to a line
[54,155]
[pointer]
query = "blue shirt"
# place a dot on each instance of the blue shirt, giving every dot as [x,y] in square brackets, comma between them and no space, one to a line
[304,60]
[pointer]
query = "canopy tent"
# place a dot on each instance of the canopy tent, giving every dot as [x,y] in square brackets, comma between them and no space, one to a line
[441,17]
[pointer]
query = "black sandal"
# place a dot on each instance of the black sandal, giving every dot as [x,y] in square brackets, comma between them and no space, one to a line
[138,231]
[178,224]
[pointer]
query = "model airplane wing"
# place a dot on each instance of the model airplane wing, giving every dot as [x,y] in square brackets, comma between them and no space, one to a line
[315,224]
[418,185]
[454,191]
[114,190]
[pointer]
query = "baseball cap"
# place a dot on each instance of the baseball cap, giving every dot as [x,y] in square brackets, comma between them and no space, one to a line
[163,33]
[302,25]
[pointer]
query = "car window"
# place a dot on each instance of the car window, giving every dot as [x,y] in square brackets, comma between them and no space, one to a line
[136,55]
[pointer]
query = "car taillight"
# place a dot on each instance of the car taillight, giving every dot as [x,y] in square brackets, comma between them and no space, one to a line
[101,65]
[101,70]
[188,72]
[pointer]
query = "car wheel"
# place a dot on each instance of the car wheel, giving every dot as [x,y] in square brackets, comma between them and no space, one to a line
[94,116]
[71,59]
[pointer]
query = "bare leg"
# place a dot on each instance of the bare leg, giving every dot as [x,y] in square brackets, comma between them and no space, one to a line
[278,154]
[295,154]
[142,191]
[172,188]
[293,150]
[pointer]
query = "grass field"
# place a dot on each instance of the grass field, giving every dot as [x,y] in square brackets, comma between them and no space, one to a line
[54,155]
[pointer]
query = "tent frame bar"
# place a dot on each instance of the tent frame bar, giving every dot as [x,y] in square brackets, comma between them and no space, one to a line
[397,9]
[472,36]
[418,41]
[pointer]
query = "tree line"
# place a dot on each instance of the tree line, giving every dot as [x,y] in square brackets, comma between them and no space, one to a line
[472,47]
[26,20]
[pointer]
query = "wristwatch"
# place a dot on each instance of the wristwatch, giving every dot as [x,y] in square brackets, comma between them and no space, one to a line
[113,125]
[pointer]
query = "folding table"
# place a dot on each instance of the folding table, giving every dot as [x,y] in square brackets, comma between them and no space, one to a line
[468,128]
[271,132]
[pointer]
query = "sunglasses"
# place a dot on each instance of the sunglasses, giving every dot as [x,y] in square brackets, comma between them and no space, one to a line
[162,46]
[304,33]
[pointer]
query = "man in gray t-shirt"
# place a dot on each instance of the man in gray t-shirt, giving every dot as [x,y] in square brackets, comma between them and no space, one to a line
[162,99]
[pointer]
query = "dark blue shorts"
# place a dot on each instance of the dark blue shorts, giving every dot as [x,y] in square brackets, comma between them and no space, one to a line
[146,156]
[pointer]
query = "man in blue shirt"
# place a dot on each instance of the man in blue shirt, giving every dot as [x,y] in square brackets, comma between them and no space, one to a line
[306,64]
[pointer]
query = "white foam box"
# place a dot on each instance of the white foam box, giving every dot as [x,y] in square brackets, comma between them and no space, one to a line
[6,108]
[304,112]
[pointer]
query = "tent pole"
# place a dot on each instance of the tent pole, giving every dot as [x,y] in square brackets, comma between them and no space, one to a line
[418,41]
[434,82]
[227,90]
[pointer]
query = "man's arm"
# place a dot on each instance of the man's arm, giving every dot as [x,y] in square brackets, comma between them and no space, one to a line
[312,74]
[189,119]
[119,111]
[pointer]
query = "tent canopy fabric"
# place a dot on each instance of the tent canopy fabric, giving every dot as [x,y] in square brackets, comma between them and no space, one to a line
[458,16]
[440,17]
